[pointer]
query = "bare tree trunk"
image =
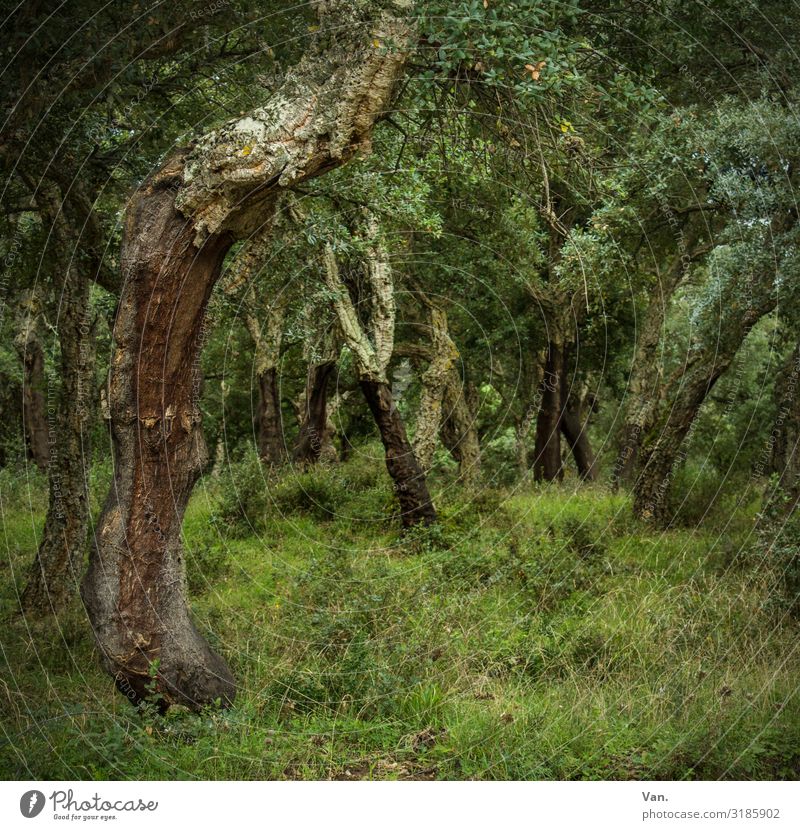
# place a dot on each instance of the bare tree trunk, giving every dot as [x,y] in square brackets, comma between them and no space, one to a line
[458,431]
[371,352]
[56,570]
[313,436]
[178,228]
[783,495]
[34,414]
[547,450]
[409,480]
[574,425]
[644,387]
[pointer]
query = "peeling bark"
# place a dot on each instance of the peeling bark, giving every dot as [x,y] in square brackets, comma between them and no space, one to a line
[56,570]
[458,431]
[371,351]
[178,228]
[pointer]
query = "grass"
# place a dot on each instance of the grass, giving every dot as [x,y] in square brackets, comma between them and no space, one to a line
[534,634]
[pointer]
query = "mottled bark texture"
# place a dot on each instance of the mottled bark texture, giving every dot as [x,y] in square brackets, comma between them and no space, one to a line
[444,412]
[459,432]
[268,422]
[687,391]
[34,388]
[264,322]
[57,567]
[314,435]
[646,375]
[178,227]
[442,358]
[372,344]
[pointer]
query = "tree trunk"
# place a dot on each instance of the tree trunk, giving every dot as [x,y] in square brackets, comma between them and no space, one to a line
[178,228]
[643,393]
[401,462]
[574,427]
[458,431]
[135,589]
[547,449]
[659,458]
[34,414]
[783,495]
[443,355]
[56,570]
[269,423]
[313,436]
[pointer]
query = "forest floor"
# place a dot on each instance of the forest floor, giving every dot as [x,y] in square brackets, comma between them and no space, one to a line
[539,633]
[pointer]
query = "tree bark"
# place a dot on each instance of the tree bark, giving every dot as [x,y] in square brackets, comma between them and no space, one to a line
[313,435]
[783,494]
[644,387]
[34,413]
[458,430]
[443,355]
[56,570]
[659,458]
[547,449]
[269,423]
[401,462]
[574,425]
[372,351]
[178,228]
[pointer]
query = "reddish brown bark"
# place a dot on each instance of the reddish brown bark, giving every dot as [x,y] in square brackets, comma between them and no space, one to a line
[134,590]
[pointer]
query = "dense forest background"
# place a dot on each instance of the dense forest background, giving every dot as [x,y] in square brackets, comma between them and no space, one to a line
[400,390]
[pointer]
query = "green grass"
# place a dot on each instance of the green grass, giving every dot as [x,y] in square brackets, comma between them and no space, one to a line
[539,634]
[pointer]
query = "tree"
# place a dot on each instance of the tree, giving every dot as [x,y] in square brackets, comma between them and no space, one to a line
[178,227]
[372,343]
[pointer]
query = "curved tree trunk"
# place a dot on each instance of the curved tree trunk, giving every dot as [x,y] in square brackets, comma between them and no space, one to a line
[651,490]
[401,462]
[371,353]
[178,228]
[644,386]
[574,425]
[783,496]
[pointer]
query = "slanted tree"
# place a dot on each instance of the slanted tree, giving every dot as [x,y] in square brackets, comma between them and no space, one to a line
[367,322]
[178,227]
